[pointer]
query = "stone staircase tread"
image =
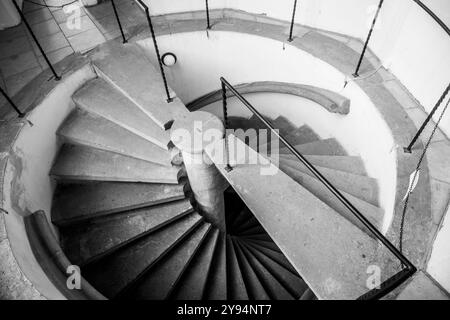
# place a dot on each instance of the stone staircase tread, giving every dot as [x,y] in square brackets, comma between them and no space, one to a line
[158,281]
[272,252]
[105,198]
[193,282]
[91,130]
[258,229]
[236,285]
[372,212]
[284,126]
[325,147]
[100,98]
[346,251]
[83,243]
[290,281]
[114,273]
[130,71]
[308,295]
[274,288]
[303,134]
[216,284]
[255,289]
[362,187]
[351,164]
[75,162]
[250,223]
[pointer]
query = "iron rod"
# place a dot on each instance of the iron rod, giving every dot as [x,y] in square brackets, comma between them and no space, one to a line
[13,105]
[22,16]
[118,21]
[208,26]
[408,149]
[228,168]
[292,21]
[155,44]
[434,16]
[324,181]
[366,44]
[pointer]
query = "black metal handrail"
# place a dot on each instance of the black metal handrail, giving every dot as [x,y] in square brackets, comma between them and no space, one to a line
[434,16]
[118,21]
[13,105]
[22,16]
[392,282]
[155,43]
[208,22]
[292,21]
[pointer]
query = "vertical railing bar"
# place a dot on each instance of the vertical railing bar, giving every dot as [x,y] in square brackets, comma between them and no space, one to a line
[208,26]
[155,44]
[366,44]
[20,113]
[22,16]
[408,149]
[292,21]
[118,21]
[228,168]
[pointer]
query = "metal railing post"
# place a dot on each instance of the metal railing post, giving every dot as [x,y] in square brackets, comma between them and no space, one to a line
[208,22]
[292,21]
[22,16]
[118,21]
[408,149]
[13,105]
[228,168]
[366,44]
[155,44]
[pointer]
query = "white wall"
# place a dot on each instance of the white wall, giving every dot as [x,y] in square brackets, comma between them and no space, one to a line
[407,40]
[247,58]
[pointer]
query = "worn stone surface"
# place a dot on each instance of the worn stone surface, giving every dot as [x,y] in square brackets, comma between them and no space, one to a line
[325,147]
[421,287]
[100,98]
[84,163]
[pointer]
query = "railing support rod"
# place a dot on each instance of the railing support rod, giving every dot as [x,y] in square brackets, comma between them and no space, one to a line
[366,44]
[118,21]
[155,44]
[228,168]
[408,149]
[22,16]
[208,22]
[20,113]
[292,22]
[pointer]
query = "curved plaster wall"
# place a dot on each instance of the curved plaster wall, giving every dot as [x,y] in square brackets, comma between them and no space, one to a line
[406,39]
[243,58]
[27,185]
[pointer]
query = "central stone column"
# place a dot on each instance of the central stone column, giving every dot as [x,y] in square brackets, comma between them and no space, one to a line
[192,133]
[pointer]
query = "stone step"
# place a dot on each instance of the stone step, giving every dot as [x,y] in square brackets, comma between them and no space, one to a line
[86,242]
[216,285]
[283,125]
[114,273]
[100,98]
[276,200]
[326,147]
[374,213]
[157,283]
[260,237]
[245,123]
[362,187]
[104,198]
[255,289]
[290,281]
[258,229]
[308,295]
[302,135]
[193,282]
[130,71]
[235,285]
[351,164]
[273,252]
[250,223]
[91,130]
[242,217]
[273,287]
[75,163]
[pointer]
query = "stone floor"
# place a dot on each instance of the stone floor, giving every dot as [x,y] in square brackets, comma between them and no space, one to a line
[20,58]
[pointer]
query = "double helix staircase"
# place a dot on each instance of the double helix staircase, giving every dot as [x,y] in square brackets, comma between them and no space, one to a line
[123,207]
